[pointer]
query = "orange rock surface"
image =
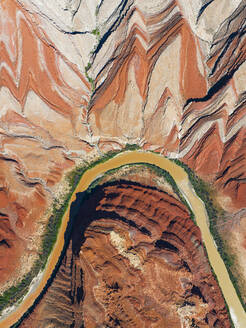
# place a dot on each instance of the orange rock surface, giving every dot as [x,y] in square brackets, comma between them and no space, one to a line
[81,78]
[135,259]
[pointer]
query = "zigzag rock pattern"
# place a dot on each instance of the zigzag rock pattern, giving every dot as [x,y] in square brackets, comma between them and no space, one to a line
[81,78]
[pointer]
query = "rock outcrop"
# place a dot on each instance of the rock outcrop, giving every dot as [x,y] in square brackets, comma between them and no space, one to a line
[135,259]
[80,78]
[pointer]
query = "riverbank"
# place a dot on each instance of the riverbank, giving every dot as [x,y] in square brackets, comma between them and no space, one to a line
[11,299]
[182,181]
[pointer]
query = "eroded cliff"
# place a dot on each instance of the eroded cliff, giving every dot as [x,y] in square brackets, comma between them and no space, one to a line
[80,78]
[135,259]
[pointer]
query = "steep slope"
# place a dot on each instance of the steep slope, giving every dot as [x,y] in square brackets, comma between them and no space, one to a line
[135,259]
[80,78]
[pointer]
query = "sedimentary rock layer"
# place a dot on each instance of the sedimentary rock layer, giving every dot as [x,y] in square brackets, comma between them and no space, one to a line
[80,78]
[135,259]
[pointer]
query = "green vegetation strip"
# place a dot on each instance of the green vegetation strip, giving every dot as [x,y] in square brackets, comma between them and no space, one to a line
[158,171]
[15,294]
[203,190]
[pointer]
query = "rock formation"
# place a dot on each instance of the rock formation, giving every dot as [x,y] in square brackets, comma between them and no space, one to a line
[135,259]
[81,78]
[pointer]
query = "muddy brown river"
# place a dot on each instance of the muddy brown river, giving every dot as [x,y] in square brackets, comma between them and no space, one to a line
[181,178]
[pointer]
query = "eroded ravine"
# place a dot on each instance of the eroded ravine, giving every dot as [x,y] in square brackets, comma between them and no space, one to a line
[197,206]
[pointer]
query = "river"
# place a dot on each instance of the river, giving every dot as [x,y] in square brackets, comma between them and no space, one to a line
[181,178]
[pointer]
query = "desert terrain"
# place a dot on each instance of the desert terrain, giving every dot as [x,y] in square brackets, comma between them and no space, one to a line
[80,79]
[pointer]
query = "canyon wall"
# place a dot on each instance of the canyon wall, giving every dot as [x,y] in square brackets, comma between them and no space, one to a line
[81,78]
[134,259]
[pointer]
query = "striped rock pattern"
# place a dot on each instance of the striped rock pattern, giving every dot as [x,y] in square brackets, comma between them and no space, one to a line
[80,78]
[135,259]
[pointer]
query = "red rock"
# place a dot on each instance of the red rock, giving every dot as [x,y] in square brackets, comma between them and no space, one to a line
[135,259]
